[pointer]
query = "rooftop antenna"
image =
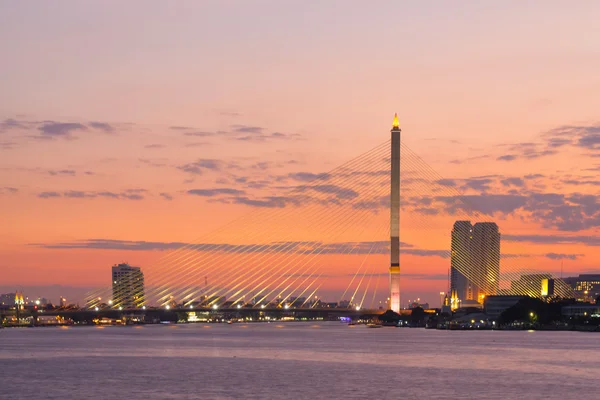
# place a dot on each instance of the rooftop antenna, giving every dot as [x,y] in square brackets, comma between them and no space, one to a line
[561,269]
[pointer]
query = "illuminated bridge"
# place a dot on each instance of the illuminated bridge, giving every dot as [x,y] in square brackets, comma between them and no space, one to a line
[350,240]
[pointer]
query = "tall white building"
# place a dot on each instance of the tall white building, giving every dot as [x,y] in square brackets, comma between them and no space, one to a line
[127,286]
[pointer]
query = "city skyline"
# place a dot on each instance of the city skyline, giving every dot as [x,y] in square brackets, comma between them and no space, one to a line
[108,164]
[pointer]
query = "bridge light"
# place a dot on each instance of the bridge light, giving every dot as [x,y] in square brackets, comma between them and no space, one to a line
[96,308]
[215,306]
[110,302]
[357,308]
[286,306]
[262,306]
[143,307]
[120,308]
[239,306]
[167,307]
[191,307]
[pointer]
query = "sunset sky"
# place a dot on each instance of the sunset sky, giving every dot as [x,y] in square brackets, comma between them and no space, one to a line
[159,122]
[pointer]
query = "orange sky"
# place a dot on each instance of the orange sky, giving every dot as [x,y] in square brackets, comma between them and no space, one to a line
[109,120]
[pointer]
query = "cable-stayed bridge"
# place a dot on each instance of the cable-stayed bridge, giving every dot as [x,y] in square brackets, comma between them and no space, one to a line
[327,243]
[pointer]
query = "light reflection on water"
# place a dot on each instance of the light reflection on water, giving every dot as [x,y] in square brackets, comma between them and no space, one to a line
[263,361]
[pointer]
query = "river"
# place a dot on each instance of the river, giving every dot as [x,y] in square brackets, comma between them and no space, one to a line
[295,360]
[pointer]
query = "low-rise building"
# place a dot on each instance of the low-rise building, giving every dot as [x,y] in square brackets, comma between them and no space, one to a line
[496,305]
[581,310]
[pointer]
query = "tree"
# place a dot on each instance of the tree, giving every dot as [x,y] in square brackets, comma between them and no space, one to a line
[417,315]
[390,317]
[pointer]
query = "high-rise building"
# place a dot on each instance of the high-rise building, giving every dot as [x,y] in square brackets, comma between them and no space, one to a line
[460,263]
[127,286]
[485,257]
[475,262]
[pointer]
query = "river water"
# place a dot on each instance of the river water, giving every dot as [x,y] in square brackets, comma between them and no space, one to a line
[295,361]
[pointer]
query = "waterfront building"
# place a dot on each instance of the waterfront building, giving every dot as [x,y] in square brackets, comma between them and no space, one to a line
[581,310]
[475,262]
[586,287]
[496,305]
[538,285]
[7,299]
[127,286]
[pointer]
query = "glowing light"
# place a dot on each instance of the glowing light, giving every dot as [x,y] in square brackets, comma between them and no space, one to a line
[239,306]
[120,308]
[531,314]
[37,302]
[191,307]
[143,307]
[357,308]
[110,302]
[396,123]
[168,307]
[262,306]
[286,306]
[96,308]
[215,306]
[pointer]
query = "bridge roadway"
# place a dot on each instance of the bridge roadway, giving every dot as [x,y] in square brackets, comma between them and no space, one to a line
[220,313]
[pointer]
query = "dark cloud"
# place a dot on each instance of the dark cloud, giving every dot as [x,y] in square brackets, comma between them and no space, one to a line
[488,204]
[534,176]
[10,123]
[166,196]
[376,204]
[308,176]
[202,134]
[462,161]
[63,172]
[479,184]
[8,190]
[247,129]
[586,240]
[581,182]
[103,126]
[78,194]
[507,157]
[446,182]
[215,192]
[60,129]
[560,256]
[581,136]
[47,195]
[130,194]
[307,247]
[513,182]
[337,191]
[267,202]
[198,167]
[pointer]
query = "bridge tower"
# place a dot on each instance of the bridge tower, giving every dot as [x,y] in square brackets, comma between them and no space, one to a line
[395,218]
